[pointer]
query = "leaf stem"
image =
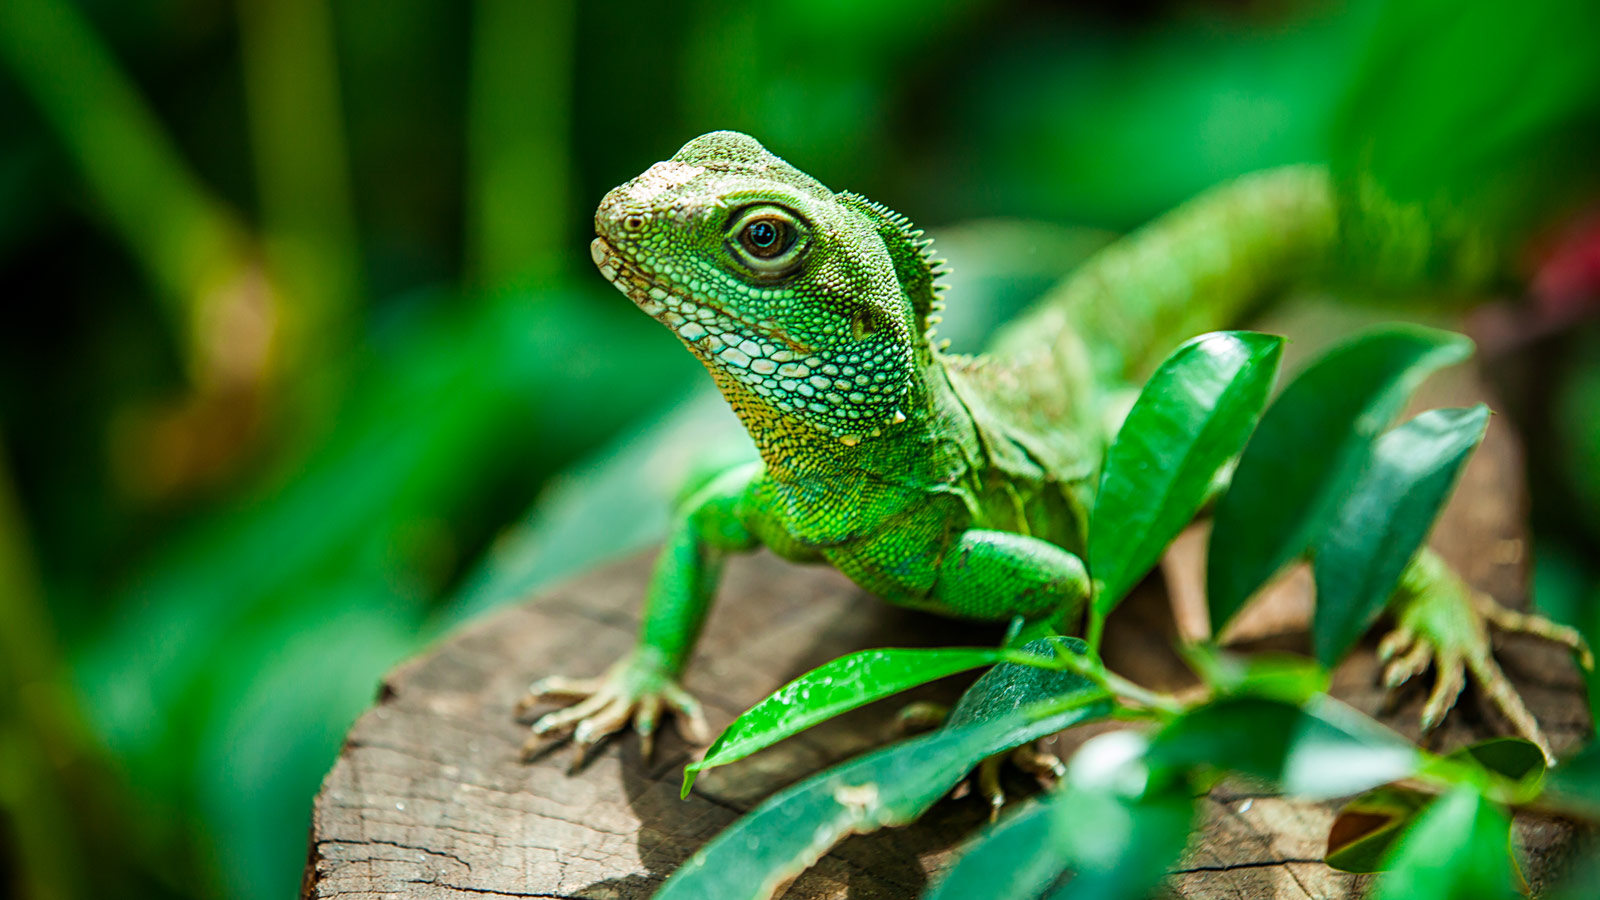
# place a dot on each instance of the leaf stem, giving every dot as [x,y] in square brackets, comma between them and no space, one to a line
[1094,670]
[1096,631]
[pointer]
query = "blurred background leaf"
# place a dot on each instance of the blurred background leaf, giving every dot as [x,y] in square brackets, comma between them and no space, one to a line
[303,361]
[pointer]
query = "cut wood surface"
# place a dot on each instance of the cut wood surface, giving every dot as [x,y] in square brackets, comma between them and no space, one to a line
[429,798]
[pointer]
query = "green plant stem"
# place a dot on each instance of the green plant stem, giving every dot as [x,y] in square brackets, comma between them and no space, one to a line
[302,171]
[1159,702]
[1096,630]
[1114,684]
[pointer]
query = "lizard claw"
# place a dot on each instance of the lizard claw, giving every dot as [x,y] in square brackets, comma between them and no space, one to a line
[1445,624]
[634,690]
[989,784]
[1045,766]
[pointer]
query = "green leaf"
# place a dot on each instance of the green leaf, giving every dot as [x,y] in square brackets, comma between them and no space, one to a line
[833,688]
[1122,850]
[1320,749]
[1288,677]
[1574,784]
[1011,686]
[1366,828]
[1513,758]
[1384,519]
[1459,848]
[1308,449]
[1019,856]
[1193,416]
[892,786]
[1338,751]
[1117,846]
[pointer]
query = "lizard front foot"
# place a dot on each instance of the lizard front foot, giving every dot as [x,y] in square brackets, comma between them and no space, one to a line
[1029,757]
[634,689]
[1444,623]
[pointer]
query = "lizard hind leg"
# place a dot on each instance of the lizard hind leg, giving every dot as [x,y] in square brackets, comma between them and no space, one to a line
[1442,622]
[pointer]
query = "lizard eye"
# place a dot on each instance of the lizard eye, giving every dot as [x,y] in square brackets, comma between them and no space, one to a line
[764,237]
[767,240]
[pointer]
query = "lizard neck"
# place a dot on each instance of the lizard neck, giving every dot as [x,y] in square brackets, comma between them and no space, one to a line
[923,450]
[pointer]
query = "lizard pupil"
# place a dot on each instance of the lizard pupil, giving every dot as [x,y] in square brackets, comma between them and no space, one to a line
[764,237]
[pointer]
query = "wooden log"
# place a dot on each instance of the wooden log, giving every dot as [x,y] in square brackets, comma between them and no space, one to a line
[429,798]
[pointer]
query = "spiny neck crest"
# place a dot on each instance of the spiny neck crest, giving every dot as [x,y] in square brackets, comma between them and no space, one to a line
[916,266]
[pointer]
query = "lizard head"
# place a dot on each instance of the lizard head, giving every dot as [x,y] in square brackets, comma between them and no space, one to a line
[789,293]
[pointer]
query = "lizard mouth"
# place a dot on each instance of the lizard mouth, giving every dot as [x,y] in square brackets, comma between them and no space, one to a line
[628,279]
[693,319]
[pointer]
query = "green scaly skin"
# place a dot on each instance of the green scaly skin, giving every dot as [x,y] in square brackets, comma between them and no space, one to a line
[945,483]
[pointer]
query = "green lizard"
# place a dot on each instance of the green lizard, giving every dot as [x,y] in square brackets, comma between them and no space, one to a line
[947,483]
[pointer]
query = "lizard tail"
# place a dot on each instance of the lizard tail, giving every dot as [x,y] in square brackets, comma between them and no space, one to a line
[1211,262]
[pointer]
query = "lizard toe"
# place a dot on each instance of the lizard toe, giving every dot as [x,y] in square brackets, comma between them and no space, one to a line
[1446,690]
[563,720]
[634,691]
[690,716]
[1510,620]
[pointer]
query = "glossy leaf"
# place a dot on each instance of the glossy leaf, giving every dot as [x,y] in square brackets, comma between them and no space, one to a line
[1018,856]
[1288,677]
[1116,844]
[1321,749]
[1384,520]
[892,786]
[1366,828]
[1338,751]
[1515,759]
[834,688]
[1127,863]
[1193,416]
[1309,448]
[1010,686]
[1574,784]
[1368,825]
[1459,848]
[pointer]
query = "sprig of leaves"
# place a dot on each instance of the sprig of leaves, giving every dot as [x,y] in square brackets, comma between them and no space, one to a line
[892,786]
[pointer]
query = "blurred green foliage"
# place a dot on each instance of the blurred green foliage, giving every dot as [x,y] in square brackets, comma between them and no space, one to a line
[300,317]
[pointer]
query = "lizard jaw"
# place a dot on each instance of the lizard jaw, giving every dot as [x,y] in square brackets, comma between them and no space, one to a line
[702,324]
[625,278]
[758,358]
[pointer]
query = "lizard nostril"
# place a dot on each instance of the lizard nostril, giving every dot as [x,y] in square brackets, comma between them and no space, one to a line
[633,223]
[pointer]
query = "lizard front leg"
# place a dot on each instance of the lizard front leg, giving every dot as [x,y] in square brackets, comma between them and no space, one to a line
[1442,621]
[712,523]
[999,575]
